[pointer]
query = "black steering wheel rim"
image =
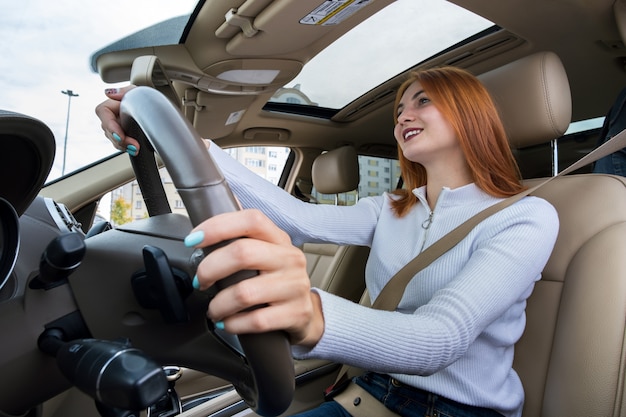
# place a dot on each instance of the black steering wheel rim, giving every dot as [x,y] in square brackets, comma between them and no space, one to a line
[159,126]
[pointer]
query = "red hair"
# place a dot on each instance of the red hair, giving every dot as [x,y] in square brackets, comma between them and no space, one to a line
[466,104]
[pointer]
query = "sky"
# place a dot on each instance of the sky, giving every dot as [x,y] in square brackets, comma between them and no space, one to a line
[45,49]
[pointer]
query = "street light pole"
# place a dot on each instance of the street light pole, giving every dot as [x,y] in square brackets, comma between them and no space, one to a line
[69,94]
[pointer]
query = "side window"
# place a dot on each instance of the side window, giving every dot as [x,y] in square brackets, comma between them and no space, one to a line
[377,175]
[542,160]
[125,204]
[266,161]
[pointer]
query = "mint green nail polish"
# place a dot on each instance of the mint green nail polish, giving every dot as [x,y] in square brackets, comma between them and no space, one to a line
[219,325]
[194,238]
[195,282]
[116,137]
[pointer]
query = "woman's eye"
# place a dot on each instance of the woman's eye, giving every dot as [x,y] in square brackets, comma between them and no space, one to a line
[423,100]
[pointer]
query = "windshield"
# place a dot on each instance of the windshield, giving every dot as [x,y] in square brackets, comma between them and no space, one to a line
[45,70]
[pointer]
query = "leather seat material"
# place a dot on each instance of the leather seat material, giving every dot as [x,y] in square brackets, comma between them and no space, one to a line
[336,171]
[337,269]
[533,96]
[585,204]
[571,356]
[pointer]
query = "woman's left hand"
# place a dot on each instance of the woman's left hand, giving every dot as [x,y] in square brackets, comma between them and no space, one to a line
[283,284]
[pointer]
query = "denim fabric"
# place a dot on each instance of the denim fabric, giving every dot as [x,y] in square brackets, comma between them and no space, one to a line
[614,163]
[412,402]
[614,123]
[327,409]
[403,400]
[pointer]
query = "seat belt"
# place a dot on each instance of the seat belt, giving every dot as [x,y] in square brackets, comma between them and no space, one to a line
[354,400]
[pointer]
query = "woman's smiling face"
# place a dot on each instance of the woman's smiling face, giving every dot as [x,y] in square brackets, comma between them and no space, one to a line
[421,130]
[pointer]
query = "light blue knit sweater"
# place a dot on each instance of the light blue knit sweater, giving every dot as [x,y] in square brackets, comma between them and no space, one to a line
[455,327]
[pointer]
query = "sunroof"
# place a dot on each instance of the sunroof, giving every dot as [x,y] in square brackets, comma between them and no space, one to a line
[396,38]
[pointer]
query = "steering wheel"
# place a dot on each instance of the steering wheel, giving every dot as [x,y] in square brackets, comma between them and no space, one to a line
[267,383]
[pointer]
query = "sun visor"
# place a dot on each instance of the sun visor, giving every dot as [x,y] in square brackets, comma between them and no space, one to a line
[27,150]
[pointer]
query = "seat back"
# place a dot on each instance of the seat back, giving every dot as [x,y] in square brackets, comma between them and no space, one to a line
[571,356]
[337,269]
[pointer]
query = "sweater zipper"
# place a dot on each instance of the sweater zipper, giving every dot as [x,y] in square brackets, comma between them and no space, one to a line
[426,223]
[426,226]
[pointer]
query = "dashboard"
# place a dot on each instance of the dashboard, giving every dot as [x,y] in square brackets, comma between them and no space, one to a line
[28,224]
[27,150]
[9,240]
[31,300]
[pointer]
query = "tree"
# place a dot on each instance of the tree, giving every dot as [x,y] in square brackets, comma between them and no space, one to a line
[120,211]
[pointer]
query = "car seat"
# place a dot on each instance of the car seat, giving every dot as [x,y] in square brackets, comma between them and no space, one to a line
[571,356]
[334,268]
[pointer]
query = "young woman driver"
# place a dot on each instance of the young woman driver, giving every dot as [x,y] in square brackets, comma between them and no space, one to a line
[448,348]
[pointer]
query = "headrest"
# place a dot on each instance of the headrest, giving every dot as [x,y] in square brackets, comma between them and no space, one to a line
[26,154]
[336,171]
[533,97]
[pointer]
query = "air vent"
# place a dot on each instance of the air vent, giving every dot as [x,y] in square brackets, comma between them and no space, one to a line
[62,217]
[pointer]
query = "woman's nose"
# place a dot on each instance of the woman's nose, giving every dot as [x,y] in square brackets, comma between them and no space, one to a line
[405,116]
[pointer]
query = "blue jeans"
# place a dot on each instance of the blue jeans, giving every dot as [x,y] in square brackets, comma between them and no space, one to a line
[614,123]
[614,163]
[403,400]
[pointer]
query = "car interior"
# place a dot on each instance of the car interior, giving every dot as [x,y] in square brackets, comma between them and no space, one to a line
[70,284]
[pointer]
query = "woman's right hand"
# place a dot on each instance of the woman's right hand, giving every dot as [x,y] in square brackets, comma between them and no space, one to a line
[282,286]
[109,114]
